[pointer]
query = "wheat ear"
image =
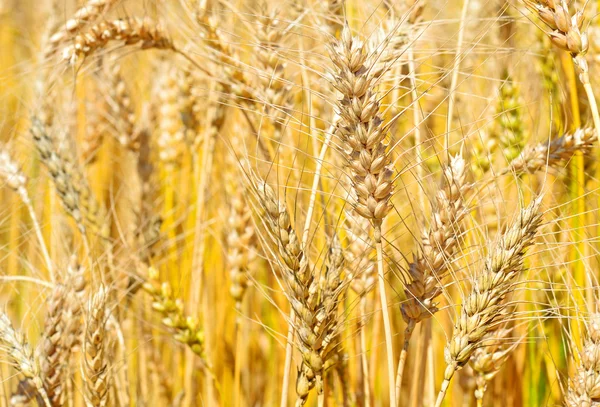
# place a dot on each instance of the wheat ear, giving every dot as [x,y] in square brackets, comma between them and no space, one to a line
[90,12]
[487,360]
[362,135]
[552,153]
[95,366]
[584,383]
[128,31]
[187,329]
[294,263]
[52,352]
[319,325]
[567,32]
[484,307]
[439,246]
[21,354]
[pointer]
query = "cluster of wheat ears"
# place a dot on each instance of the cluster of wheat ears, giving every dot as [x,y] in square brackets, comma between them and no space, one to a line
[305,202]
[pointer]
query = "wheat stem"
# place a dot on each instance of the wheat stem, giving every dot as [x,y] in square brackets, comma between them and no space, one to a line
[587,86]
[400,372]
[385,312]
[455,72]
[237,368]
[288,359]
[363,351]
[38,232]
[443,390]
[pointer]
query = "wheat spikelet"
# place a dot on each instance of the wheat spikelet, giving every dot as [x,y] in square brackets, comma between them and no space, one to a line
[122,109]
[240,250]
[171,134]
[488,359]
[439,245]
[272,80]
[90,12]
[318,324]
[361,128]
[236,82]
[53,354]
[484,307]
[73,312]
[553,153]
[76,195]
[95,365]
[59,171]
[584,383]
[22,356]
[191,104]
[186,329]
[11,172]
[510,129]
[128,31]
[94,131]
[148,222]
[359,253]
[565,28]
[295,266]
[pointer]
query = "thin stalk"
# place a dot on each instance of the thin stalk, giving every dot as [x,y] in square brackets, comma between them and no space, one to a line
[38,231]
[417,121]
[416,389]
[363,352]
[455,70]
[288,359]
[578,203]
[402,362]
[315,184]
[480,402]
[385,313]
[443,390]
[238,366]
[593,105]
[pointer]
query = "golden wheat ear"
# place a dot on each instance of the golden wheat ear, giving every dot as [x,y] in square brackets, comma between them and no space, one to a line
[95,367]
[484,307]
[21,355]
[584,382]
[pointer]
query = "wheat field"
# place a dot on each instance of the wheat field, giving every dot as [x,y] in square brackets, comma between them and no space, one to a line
[299,203]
